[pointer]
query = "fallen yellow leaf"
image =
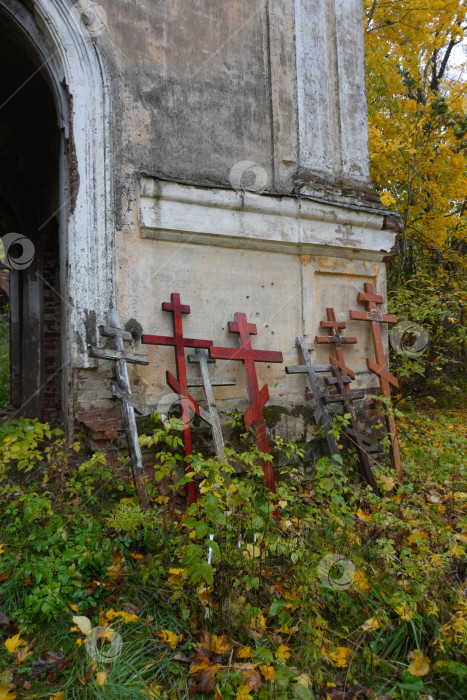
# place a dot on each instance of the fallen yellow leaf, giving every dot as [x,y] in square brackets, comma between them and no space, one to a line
[13,643]
[1,549]
[362,515]
[283,652]
[83,623]
[387,483]
[360,581]
[101,678]
[339,657]
[168,637]
[73,607]
[267,671]
[371,624]
[419,663]
[121,615]
[244,653]
[58,696]
[243,691]
[5,693]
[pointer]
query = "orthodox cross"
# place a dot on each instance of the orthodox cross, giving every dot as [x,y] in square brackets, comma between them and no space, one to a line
[179,384]
[118,354]
[258,398]
[321,414]
[211,416]
[376,317]
[337,340]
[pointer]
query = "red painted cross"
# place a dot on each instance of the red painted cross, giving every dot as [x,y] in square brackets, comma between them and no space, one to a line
[258,398]
[376,318]
[179,384]
[337,340]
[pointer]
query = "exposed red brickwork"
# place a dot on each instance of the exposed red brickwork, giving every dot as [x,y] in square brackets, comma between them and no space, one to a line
[52,325]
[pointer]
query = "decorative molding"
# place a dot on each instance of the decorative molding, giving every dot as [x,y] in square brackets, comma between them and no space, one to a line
[221,217]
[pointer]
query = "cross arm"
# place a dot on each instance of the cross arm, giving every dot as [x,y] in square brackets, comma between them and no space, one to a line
[157,340]
[108,354]
[333,339]
[111,332]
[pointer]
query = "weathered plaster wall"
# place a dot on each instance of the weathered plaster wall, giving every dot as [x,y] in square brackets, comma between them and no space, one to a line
[197,87]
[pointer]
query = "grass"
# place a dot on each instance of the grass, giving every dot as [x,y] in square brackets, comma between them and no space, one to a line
[409,546]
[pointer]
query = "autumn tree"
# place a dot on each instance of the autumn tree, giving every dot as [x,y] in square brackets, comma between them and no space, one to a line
[417,99]
[418,125]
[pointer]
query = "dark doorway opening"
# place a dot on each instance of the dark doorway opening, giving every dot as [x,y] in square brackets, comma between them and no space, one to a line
[29,206]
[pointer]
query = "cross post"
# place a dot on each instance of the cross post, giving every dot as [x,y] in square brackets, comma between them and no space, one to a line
[179,383]
[258,397]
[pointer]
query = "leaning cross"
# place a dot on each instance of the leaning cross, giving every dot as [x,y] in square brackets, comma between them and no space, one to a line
[337,340]
[258,398]
[321,414]
[352,432]
[342,394]
[376,317]
[211,416]
[179,384]
[118,354]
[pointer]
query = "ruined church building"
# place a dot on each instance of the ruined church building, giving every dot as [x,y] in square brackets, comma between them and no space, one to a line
[214,148]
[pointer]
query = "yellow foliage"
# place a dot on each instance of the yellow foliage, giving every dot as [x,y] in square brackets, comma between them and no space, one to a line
[339,657]
[101,678]
[419,663]
[169,637]
[13,643]
[416,104]
[283,652]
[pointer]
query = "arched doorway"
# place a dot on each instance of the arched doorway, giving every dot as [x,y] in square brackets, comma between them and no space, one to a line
[29,206]
[70,214]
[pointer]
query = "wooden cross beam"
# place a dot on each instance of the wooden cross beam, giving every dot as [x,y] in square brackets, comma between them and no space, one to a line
[321,414]
[118,354]
[374,316]
[179,384]
[211,416]
[258,398]
[337,341]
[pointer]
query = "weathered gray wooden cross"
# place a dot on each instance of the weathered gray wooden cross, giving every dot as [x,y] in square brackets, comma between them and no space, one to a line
[321,414]
[211,416]
[123,392]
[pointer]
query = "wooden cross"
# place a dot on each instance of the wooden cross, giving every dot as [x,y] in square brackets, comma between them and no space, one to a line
[211,416]
[342,394]
[118,354]
[179,384]
[376,317]
[321,414]
[258,398]
[337,340]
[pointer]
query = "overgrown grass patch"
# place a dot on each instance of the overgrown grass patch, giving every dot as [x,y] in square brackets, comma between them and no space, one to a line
[346,595]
